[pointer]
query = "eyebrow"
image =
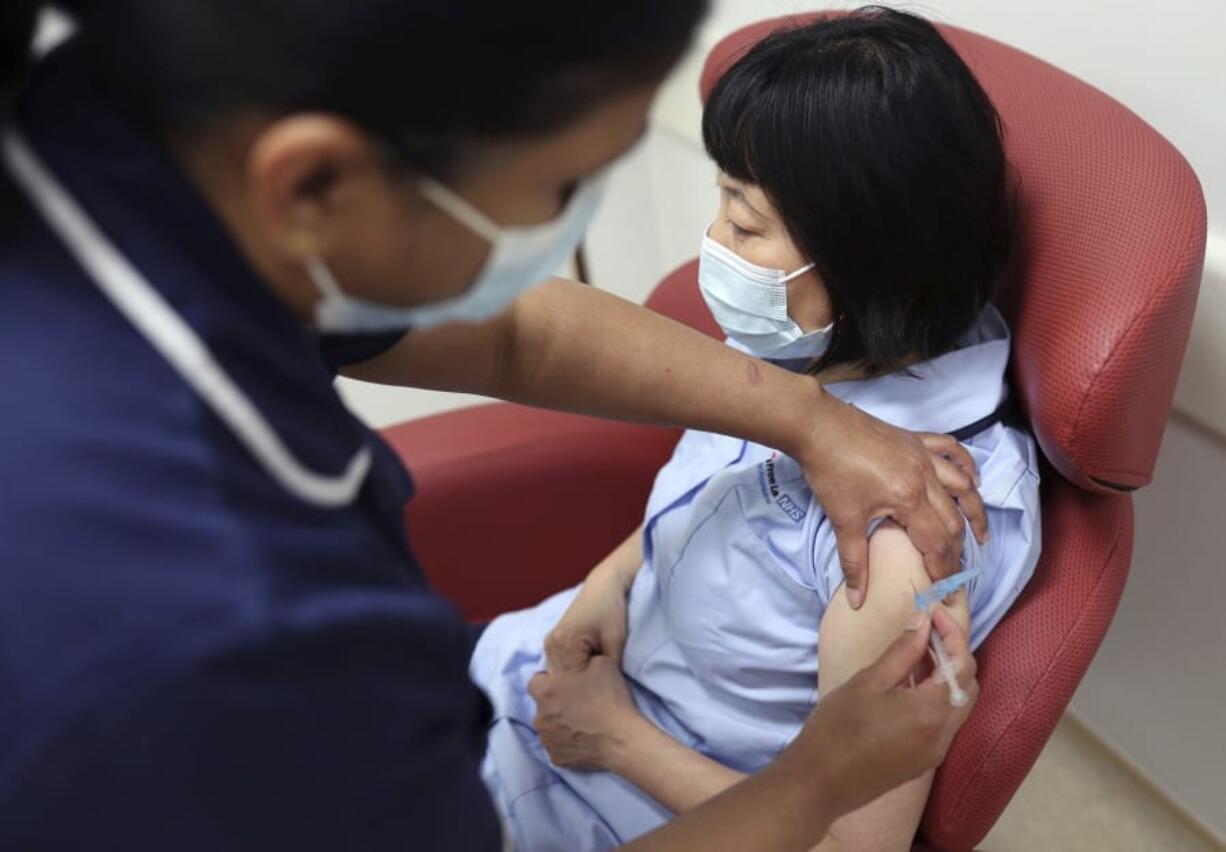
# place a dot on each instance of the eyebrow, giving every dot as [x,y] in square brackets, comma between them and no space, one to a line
[740,196]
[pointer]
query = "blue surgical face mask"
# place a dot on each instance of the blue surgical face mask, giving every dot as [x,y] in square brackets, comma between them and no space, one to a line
[520,257]
[750,303]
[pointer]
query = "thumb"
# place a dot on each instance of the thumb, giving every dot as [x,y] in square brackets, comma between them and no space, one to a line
[905,653]
[536,684]
[853,557]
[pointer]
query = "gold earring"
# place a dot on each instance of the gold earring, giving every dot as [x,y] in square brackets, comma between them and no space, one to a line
[304,243]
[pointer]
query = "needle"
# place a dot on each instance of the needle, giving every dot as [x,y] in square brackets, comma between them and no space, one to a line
[957,695]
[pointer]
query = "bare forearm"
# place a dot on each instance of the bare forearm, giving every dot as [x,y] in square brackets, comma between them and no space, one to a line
[580,349]
[675,776]
[571,347]
[778,810]
[625,560]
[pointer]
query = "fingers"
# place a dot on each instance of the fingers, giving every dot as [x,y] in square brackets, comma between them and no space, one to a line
[930,534]
[536,686]
[565,652]
[934,718]
[948,447]
[951,516]
[906,652]
[957,645]
[961,488]
[959,475]
[852,542]
[930,701]
[943,717]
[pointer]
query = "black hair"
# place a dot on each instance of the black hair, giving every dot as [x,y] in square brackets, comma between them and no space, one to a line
[884,158]
[422,75]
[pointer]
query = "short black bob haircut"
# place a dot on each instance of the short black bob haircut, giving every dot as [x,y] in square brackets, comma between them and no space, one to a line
[883,156]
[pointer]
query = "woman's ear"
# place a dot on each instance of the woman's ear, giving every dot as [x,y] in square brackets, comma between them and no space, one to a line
[305,176]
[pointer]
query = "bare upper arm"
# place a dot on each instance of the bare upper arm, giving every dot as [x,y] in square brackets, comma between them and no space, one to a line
[851,639]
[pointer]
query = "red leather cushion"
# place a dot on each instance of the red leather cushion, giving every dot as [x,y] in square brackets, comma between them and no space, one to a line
[516,503]
[1031,664]
[678,296]
[1108,262]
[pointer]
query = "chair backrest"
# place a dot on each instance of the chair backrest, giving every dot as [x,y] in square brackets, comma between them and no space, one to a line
[1100,296]
[1111,243]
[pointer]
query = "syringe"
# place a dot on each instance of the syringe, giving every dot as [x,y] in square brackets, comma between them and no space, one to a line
[925,601]
[957,695]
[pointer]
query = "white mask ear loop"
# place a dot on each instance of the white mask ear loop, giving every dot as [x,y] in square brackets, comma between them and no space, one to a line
[323,279]
[798,272]
[460,209]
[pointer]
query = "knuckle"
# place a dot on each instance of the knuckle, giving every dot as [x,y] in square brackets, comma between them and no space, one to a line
[945,443]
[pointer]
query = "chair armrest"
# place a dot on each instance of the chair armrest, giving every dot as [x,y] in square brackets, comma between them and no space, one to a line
[514,503]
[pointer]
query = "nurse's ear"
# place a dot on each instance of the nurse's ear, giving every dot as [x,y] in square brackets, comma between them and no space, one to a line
[312,173]
[317,186]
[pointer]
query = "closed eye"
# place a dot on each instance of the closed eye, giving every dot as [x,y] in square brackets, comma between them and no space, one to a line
[739,232]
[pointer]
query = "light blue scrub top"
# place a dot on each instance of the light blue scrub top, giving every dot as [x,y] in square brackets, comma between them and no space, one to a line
[739,566]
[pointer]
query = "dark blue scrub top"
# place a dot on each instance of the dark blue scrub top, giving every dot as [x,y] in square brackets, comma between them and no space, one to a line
[191,657]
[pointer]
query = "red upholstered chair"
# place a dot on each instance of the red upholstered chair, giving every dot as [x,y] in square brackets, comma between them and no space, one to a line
[515,504]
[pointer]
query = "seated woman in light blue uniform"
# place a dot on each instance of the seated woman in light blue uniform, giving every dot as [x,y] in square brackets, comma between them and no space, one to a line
[863,223]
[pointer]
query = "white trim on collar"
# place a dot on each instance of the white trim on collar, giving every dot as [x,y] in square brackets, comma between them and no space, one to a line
[136,298]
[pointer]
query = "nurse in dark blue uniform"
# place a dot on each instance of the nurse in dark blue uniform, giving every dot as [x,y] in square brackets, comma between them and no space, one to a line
[213,634]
